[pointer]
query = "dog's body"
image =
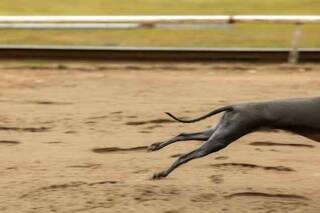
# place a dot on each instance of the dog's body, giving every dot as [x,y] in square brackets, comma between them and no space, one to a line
[300,116]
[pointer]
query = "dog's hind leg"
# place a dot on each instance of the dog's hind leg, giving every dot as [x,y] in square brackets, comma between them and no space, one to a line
[199,136]
[200,152]
[231,127]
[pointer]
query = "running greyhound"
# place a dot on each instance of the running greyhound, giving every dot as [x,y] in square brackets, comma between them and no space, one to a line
[300,116]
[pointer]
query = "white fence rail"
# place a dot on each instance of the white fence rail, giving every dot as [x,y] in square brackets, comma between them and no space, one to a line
[132,22]
[160,19]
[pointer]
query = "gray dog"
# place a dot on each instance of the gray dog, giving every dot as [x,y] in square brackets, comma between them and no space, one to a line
[300,116]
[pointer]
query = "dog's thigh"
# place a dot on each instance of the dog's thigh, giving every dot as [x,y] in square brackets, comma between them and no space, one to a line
[232,126]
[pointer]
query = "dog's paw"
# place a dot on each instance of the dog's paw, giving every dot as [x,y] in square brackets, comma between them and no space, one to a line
[160,175]
[154,147]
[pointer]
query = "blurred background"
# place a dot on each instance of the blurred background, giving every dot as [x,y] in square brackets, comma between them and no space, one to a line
[76,122]
[236,35]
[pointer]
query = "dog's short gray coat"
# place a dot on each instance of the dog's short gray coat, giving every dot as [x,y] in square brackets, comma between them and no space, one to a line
[300,116]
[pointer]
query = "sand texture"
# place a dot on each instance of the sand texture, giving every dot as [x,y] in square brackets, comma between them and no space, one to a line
[73,138]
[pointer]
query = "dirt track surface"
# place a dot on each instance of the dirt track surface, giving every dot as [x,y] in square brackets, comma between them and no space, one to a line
[73,139]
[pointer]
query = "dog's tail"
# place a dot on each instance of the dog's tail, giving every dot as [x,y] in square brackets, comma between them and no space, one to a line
[216,111]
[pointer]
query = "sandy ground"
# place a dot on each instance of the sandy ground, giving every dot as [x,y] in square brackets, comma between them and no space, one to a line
[73,138]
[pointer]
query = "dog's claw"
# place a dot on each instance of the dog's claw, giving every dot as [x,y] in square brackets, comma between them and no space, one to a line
[159,175]
[154,147]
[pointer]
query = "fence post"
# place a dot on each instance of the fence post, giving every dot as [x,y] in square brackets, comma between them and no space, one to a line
[296,36]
